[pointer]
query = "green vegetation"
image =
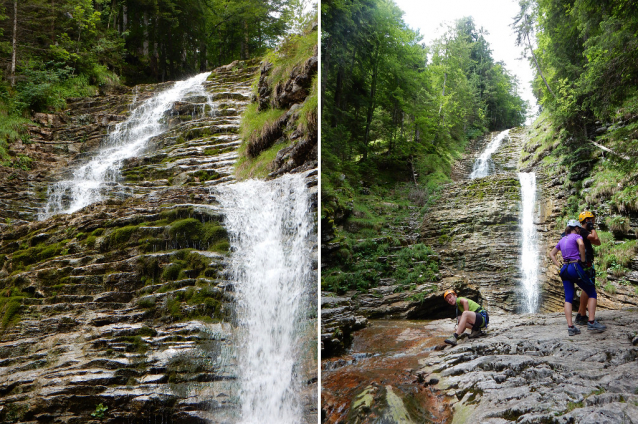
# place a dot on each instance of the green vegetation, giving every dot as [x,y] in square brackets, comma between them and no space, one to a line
[11,300]
[362,267]
[387,107]
[396,114]
[586,68]
[77,48]
[99,412]
[210,235]
[261,127]
[43,251]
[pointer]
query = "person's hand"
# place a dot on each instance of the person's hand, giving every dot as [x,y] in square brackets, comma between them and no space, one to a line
[589,226]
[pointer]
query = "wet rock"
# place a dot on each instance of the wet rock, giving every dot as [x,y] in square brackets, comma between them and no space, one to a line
[338,320]
[94,322]
[529,369]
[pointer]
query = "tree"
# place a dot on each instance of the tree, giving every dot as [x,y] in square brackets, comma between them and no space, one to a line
[524,26]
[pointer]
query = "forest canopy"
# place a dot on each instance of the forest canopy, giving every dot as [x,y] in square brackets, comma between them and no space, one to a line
[388,99]
[585,54]
[44,43]
[51,50]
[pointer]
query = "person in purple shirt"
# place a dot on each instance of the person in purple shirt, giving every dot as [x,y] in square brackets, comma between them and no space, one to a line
[572,249]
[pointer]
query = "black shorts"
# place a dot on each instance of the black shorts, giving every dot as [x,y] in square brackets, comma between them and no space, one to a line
[482,319]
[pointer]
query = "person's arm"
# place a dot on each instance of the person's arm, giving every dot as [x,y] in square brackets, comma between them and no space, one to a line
[581,248]
[552,255]
[593,238]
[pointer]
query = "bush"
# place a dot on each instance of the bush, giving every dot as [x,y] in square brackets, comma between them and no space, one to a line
[172,272]
[121,235]
[11,310]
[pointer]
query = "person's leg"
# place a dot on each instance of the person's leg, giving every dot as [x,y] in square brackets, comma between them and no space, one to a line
[569,296]
[584,298]
[466,321]
[568,313]
[582,308]
[588,287]
[591,306]
[478,324]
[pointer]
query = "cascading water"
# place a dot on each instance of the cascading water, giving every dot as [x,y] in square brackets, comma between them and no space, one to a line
[92,181]
[483,165]
[529,253]
[270,225]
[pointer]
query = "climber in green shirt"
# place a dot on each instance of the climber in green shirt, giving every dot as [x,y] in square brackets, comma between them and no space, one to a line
[473,316]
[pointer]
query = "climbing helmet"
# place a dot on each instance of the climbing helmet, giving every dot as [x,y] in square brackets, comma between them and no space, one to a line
[574,223]
[584,215]
[450,291]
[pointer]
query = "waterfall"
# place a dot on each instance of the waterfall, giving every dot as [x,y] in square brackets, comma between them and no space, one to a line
[484,165]
[529,252]
[270,225]
[95,179]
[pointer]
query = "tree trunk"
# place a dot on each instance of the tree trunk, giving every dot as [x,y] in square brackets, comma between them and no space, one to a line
[244,42]
[371,105]
[52,21]
[443,92]
[124,17]
[537,65]
[325,68]
[203,61]
[14,42]
[412,168]
[337,98]
[145,42]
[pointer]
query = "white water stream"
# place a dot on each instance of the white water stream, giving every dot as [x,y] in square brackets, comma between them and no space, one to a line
[484,165]
[92,181]
[270,224]
[529,253]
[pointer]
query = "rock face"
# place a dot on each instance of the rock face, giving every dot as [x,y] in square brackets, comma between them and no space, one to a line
[126,302]
[529,370]
[288,94]
[554,190]
[474,229]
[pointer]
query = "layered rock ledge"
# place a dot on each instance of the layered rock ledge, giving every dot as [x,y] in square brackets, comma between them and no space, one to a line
[528,370]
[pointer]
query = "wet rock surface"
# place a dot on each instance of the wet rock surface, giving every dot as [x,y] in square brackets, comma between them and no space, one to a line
[126,303]
[529,370]
[474,227]
[374,381]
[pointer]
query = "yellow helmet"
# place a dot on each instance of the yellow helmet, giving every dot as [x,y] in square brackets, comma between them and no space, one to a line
[450,291]
[584,215]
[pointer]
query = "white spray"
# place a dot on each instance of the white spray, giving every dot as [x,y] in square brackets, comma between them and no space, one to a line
[270,225]
[529,253]
[483,165]
[92,181]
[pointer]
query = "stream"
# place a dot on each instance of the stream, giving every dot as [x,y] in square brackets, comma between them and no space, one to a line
[374,383]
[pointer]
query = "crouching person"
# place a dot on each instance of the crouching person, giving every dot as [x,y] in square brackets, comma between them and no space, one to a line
[472,316]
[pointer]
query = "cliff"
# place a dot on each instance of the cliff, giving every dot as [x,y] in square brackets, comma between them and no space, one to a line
[123,310]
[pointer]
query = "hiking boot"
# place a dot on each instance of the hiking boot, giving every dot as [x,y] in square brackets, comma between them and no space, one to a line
[581,319]
[451,340]
[596,326]
[572,331]
[476,334]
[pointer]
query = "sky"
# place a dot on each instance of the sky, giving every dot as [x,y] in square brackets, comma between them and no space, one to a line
[493,15]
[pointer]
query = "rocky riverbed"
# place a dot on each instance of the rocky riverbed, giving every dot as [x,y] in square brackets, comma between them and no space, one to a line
[526,370]
[529,370]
